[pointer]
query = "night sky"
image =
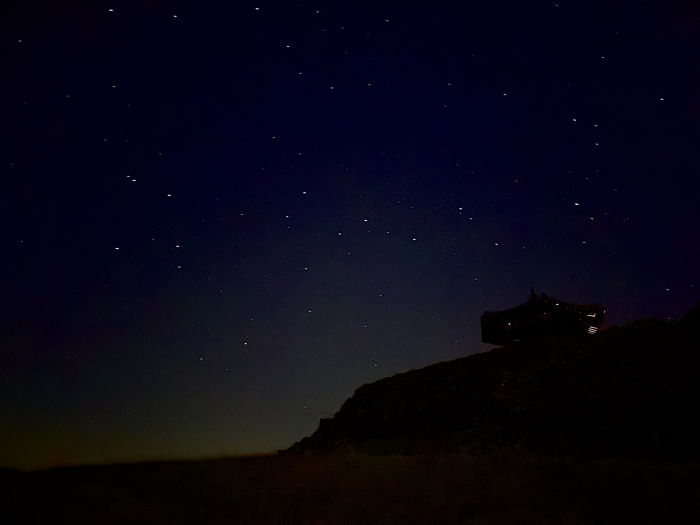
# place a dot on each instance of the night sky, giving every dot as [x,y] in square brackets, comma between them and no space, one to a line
[218,219]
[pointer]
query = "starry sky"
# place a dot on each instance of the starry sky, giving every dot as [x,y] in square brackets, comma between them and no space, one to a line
[218,219]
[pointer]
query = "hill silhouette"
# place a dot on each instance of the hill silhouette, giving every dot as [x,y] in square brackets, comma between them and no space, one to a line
[629,391]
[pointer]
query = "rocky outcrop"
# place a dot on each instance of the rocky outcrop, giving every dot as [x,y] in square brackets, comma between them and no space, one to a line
[628,391]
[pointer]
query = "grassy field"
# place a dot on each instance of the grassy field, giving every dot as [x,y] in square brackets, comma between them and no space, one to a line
[354,489]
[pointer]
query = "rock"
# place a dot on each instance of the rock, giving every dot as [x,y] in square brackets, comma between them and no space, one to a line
[627,391]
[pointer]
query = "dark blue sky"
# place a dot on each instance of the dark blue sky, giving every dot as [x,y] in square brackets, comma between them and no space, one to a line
[219,218]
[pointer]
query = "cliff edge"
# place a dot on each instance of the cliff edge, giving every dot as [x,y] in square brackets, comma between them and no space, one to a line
[628,391]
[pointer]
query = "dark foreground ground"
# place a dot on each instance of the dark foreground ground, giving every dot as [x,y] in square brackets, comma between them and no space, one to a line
[348,488]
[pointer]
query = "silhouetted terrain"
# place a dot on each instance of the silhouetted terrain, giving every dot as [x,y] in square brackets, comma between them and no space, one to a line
[602,429]
[630,391]
[344,488]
